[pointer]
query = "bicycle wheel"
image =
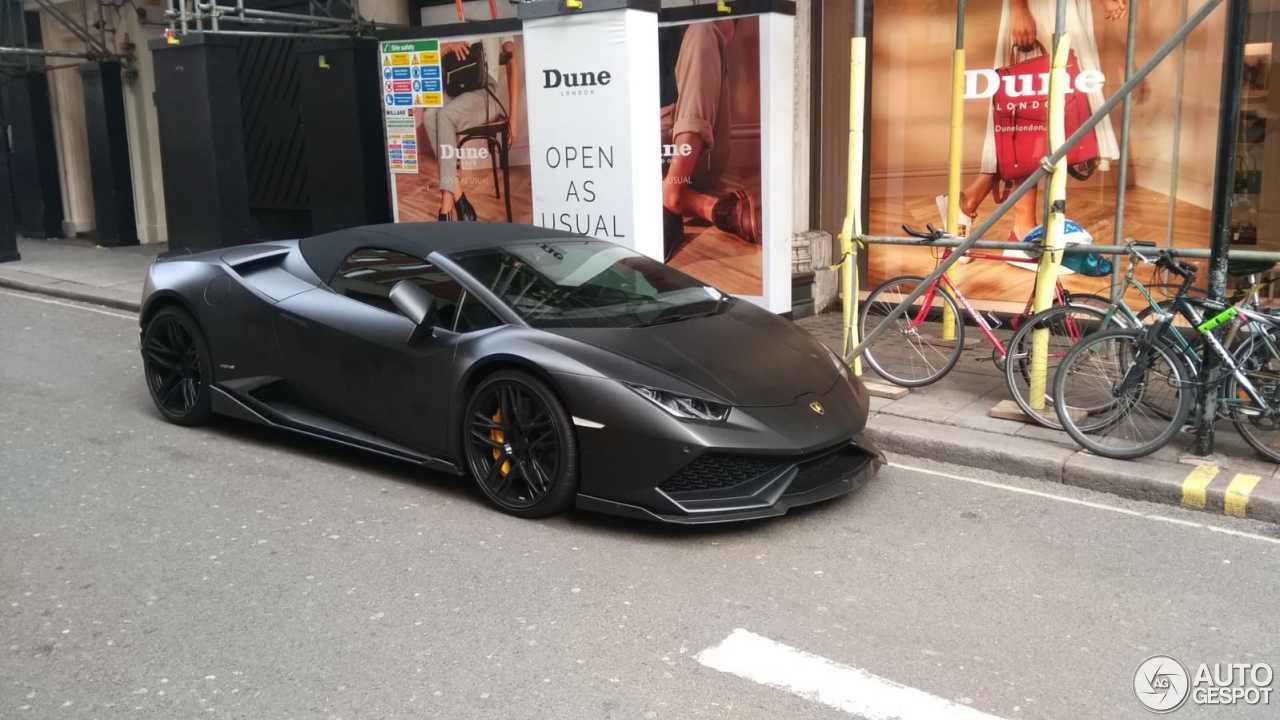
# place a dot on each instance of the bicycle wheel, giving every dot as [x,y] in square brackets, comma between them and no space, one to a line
[911,353]
[1261,365]
[1066,325]
[1125,376]
[1097,302]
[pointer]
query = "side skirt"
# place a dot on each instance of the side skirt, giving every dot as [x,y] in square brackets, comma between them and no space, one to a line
[322,428]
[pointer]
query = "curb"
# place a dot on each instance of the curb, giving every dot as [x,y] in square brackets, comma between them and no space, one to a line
[1208,488]
[70,293]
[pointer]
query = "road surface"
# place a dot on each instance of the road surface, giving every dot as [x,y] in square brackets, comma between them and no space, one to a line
[155,571]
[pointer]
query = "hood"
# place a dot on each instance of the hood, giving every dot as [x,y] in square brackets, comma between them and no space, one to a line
[744,355]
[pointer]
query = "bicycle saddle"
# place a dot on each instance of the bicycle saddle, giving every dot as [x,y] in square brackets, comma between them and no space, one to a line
[1241,268]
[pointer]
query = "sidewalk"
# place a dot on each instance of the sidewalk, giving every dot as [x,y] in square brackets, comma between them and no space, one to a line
[947,421]
[79,270]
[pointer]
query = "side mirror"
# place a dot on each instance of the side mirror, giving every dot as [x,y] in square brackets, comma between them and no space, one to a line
[416,304]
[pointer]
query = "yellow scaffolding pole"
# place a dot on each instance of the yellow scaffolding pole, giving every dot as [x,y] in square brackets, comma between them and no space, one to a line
[1051,259]
[955,155]
[851,230]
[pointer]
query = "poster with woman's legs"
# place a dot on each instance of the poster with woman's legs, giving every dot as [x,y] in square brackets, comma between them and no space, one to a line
[1026,29]
[462,145]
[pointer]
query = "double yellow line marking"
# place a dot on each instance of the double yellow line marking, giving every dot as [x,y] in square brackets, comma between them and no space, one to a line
[1236,499]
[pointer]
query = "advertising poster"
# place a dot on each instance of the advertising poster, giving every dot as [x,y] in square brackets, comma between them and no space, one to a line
[1006,44]
[711,151]
[458,145]
[594,170]
[402,142]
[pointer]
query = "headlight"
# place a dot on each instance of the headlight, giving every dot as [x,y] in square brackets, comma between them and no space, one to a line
[685,408]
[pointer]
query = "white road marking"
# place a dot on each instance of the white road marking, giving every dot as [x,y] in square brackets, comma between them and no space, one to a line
[1090,504]
[824,681]
[48,301]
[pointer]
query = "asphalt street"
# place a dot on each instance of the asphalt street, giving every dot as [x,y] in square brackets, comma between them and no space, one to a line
[155,571]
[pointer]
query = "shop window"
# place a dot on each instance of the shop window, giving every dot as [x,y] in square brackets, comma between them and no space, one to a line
[1171,149]
[1255,207]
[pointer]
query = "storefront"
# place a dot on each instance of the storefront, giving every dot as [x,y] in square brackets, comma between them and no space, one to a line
[1171,146]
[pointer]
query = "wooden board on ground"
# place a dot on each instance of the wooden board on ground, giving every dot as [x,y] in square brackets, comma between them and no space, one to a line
[1009,410]
[885,390]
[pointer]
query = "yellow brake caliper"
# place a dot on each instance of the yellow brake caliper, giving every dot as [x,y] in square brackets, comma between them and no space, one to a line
[501,438]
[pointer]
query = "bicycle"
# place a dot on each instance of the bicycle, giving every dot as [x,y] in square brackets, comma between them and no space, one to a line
[1067,324]
[1136,382]
[916,354]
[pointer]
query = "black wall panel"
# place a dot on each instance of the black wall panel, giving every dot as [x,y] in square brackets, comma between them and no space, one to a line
[37,195]
[8,229]
[202,143]
[112,182]
[275,146]
[342,106]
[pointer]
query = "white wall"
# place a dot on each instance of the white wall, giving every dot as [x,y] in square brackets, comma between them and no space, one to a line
[67,104]
[66,98]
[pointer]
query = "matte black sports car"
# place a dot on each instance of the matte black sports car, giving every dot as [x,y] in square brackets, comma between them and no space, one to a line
[554,369]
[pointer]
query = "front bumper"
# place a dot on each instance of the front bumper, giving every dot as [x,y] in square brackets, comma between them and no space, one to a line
[814,478]
[762,462]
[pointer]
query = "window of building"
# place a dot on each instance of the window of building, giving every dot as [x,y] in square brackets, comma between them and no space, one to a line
[1255,207]
[368,274]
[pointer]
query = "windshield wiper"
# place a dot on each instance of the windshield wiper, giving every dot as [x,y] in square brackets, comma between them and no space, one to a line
[679,317]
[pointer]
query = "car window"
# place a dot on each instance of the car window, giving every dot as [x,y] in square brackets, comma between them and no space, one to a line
[473,315]
[588,283]
[368,274]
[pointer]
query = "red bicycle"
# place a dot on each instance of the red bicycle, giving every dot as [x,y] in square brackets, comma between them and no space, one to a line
[918,349]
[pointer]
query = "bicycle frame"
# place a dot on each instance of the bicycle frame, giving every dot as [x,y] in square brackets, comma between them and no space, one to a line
[978,319]
[1190,313]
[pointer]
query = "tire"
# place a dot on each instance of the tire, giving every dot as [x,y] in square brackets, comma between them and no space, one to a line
[1263,370]
[1090,300]
[520,446]
[910,358]
[1067,325]
[177,367]
[1124,427]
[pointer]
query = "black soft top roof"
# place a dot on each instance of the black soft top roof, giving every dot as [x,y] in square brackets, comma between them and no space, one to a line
[325,252]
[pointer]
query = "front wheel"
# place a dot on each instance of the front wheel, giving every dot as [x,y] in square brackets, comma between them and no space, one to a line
[911,353]
[1259,359]
[1137,394]
[520,446]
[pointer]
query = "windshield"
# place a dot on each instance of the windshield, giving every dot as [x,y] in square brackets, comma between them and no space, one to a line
[588,283]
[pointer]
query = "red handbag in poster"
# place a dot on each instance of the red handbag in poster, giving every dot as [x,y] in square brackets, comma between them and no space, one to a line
[1021,119]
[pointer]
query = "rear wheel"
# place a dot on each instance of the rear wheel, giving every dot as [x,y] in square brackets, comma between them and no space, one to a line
[178,368]
[908,353]
[520,446]
[1066,325]
[1138,394]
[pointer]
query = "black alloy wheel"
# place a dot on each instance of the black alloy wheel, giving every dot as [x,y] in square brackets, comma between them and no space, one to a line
[176,361]
[520,445]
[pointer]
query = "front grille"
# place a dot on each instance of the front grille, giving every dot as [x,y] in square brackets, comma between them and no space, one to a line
[716,471]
